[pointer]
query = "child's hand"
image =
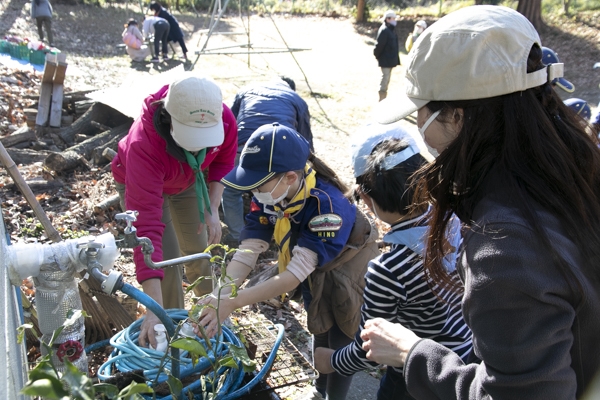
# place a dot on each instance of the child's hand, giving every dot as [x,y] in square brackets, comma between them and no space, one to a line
[323,360]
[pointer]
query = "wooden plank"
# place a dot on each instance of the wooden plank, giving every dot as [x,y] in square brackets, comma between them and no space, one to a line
[44,104]
[56,107]
[59,74]
[49,68]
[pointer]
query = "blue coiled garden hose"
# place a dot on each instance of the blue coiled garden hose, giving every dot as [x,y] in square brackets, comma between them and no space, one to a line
[128,356]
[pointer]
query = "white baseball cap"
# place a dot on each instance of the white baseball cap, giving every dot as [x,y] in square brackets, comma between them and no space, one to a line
[389,14]
[195,104]
[476,52]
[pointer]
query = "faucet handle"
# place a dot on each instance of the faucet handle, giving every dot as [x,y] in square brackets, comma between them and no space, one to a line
[129,216]
[90,244]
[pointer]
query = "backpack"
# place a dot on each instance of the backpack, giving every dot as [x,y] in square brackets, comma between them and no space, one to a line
[130,40]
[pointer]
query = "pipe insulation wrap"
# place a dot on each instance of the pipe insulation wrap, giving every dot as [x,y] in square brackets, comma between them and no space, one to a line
[27,259]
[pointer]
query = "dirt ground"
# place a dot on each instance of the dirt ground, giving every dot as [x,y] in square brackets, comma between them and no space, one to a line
[336,74]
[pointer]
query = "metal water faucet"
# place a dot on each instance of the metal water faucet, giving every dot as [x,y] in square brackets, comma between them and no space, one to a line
[131,240]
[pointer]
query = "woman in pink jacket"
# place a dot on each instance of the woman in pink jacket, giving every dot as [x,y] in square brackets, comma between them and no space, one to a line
[182,126]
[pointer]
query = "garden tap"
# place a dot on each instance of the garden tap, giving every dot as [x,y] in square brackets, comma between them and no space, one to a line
[109,284]
[131,240]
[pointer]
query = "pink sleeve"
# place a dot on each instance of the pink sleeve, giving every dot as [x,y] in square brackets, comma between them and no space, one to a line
[144,183]
[224,161]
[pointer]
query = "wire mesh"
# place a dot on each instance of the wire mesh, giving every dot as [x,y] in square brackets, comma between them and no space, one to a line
[290,366]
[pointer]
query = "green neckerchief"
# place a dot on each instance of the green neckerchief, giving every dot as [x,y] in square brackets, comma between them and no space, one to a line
[201,190]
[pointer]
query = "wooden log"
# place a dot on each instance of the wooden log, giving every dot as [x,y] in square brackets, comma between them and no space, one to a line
[98,112]
[23,134]
[71,157]
[105,204]
[63,161]
[82,106]
[109,153]
[26,156]
[99,157]
[40,186]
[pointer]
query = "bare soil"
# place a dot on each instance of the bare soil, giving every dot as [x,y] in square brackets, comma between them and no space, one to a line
[337,75]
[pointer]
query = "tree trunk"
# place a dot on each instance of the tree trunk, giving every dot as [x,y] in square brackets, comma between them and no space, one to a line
[360,11]
[72,157]
[98,112]
[532,10]
[24,134]
[26,156]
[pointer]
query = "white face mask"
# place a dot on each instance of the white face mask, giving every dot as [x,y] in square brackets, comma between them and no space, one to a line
[267,198]
[392,22]
[428,122]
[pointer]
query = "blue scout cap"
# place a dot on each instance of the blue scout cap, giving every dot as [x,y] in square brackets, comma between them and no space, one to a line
[550,57]
[373,134]
[581,107]
[271,149]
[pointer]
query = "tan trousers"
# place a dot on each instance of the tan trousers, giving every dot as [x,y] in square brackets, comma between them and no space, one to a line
[181,218]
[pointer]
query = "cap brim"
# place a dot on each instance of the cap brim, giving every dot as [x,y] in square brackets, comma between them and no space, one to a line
[565,85]
[394,109]
[244,179]
[193,138]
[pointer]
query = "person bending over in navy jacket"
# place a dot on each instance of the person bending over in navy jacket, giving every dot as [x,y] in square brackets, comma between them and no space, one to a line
[254,106]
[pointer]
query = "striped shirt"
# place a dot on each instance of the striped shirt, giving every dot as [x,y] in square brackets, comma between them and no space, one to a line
[397,291]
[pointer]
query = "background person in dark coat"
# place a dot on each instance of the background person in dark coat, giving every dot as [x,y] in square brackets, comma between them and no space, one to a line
[175,32]
[386,51]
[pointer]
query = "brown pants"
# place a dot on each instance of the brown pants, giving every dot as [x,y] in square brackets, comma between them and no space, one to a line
[180,237]
[47,22]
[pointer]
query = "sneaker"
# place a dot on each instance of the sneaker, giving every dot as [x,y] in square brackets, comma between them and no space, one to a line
[166,57]
[154,60]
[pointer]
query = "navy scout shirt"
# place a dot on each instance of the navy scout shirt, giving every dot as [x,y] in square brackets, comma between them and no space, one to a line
[323,225]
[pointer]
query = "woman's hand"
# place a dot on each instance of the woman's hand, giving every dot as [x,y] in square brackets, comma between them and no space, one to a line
[323,360]
[208,318]
[214,227]
[147,330]
[387,343]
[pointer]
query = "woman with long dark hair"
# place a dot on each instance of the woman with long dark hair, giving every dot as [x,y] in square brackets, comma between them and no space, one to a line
[519,170]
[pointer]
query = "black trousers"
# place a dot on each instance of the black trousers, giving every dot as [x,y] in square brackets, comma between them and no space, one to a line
[161,34]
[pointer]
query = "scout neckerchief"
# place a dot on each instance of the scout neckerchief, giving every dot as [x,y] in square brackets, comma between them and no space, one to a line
[283,226]
[201,190]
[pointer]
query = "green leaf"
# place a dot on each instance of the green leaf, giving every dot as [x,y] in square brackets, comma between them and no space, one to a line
[228,361]
[79,384]
[55,335]
[240,354]
[175,386]
[21,332]
[108,390]
[43,370]
[197,282]
[134,389]
[212,246]
[216,259]
[191,345]
[47,388]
